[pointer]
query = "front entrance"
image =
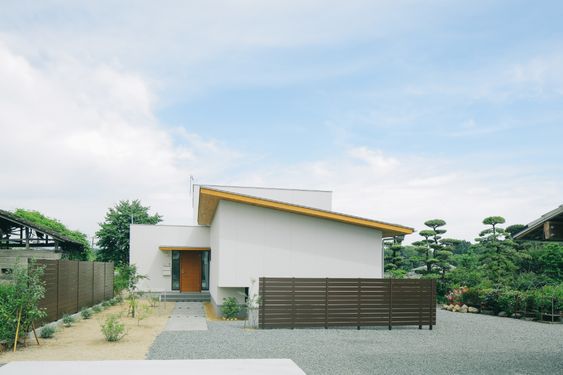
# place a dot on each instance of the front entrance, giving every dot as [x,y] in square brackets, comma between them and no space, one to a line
[190,271]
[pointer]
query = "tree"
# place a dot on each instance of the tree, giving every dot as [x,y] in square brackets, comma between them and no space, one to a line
[430,246]
[113,234]
[498,252]
[393,259]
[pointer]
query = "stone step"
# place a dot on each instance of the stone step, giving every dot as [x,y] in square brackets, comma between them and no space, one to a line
[185,297]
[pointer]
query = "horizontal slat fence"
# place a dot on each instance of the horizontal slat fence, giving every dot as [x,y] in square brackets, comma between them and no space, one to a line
[71,285]
[338,302]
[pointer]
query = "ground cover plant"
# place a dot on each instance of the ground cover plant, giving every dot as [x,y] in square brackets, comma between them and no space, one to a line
[48,332]
[230,308]
[68,320]
[86,313]
[112,329]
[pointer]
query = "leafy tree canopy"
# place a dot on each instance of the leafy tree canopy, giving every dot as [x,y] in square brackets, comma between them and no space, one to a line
[113,235]
[83,252]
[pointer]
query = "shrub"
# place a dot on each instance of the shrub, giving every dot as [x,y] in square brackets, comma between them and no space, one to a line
[47,332]
[68,320]
[230,307]
[96,309]
[106,304]
[113,329]
[21,294]
[86,313]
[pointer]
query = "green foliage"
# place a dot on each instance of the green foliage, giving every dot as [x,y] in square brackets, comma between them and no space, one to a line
[48,332]
[393,257]
[230,307]
[113,234]
[126,278]
[106,304]
[112,329]
[23,293]
[68,320]
[86,313]
[96,309]
[70,251]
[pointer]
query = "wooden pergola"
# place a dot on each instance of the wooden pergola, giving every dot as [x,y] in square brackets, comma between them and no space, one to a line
[549,228]
[16,232]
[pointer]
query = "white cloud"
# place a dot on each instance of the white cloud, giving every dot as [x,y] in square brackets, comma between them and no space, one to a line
[78,138]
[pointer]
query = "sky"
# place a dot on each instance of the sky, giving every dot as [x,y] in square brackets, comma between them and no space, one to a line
[406,110]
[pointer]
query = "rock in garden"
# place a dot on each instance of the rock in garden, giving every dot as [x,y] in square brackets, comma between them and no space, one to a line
[450,307]
[472,310]
[444,307]
[457,308]
[463,309]
[502,314]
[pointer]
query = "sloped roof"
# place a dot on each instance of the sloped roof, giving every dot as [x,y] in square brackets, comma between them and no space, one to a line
[534,230]
[209,200]
[9,216]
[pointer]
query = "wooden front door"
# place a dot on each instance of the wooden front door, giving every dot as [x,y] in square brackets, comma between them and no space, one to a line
[190,271]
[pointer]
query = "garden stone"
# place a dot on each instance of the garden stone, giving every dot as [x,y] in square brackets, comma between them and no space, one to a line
[444,307]
[457,308]
[502,314]
[450,307]
[472,310]
[463,309]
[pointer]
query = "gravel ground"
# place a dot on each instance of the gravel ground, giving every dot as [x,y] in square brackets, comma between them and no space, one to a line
[460,343]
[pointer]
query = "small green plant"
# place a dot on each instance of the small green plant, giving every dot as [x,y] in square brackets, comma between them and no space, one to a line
[86,313]
[96,309]
[106,304]
[112,329]
[154,301]
[133,302]
[230,308]
[48,332]
[68,320]
[143,312]
[112,302]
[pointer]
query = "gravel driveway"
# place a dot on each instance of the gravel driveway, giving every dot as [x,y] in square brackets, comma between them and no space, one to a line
[459,344]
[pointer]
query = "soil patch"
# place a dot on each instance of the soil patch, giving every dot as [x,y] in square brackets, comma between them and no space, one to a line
[84,340]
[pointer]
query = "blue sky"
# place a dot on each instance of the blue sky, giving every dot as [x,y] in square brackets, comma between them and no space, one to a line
[406,110]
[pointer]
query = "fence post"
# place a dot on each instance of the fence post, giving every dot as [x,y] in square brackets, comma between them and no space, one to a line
[262,293]
[77,285]
[93,291]
[420,302]
[390,302]
[432,305]
[58,286]
[326,303]
[358,301]
[292,302]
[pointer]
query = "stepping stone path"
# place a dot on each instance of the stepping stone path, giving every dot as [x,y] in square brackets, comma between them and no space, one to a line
[187,316]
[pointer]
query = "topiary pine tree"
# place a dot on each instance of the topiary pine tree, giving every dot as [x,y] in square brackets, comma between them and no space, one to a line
[497,251]
[393,258]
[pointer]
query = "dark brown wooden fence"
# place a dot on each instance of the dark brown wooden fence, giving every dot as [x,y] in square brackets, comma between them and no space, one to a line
[71,285]
[316,302]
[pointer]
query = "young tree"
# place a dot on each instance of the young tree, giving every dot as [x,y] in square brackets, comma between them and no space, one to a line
[393,259]
[113,234]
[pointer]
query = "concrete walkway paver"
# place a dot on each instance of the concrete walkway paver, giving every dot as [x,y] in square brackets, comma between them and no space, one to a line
[187,316]
[205,366]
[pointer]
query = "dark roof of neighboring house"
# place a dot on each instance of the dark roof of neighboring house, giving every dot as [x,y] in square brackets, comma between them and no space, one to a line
[535,230]
[9,216]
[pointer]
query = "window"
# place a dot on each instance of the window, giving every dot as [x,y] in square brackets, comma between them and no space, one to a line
[175,270]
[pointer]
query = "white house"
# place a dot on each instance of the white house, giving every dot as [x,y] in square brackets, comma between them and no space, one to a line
[243,233]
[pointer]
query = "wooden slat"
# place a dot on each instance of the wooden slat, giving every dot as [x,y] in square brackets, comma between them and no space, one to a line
[302,302]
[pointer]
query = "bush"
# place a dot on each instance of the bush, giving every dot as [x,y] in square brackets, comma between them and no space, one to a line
[21,294]
[230,307]
[113,329]
[96,309]
[106,304]
[86,313]
[47,332]
[68,320]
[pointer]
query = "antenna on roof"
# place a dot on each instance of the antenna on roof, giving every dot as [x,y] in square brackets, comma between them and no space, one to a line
[192,189]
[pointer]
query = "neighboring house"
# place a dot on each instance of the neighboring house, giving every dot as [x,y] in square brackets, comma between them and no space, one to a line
[243,233]
[549,227]
[21,240]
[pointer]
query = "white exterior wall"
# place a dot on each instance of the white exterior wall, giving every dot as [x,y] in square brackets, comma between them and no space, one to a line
[155,263]
[251,242]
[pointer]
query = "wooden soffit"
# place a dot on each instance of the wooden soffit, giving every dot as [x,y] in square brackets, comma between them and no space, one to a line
[209,200]
[183,248]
